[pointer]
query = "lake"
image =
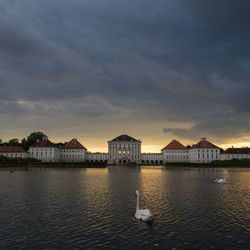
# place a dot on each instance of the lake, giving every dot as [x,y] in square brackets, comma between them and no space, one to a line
[94,208]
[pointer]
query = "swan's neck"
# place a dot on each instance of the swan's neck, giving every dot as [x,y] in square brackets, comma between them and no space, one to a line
[137,202]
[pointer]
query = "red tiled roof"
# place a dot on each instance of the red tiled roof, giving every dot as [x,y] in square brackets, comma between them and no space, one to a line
[73,144]
[237,151]
[124,138]
[44,144]
[174,145]
[12,149]
[204,144]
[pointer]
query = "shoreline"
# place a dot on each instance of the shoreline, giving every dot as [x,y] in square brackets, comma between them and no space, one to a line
[243,163]
[69,166]
[206,166]
[22,166]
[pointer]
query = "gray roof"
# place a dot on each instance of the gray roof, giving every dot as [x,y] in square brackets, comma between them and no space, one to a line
[124,138]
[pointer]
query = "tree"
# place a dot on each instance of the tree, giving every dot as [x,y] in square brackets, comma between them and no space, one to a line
[24,142]
[33,137]
[13,142]
[60,144]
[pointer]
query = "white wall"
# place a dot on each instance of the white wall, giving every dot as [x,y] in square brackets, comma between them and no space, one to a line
[73,155]
[152,158]
[97,157]
[15,155]
[234,156]
[119,151]
[175,155]
[203,155]
[45,154]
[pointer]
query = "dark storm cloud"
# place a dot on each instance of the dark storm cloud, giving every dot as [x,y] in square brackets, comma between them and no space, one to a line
[184,61]
[215,127]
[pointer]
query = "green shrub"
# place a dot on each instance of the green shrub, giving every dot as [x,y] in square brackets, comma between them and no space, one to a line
[4,159]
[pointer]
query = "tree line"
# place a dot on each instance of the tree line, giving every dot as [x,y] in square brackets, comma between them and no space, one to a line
[28,141]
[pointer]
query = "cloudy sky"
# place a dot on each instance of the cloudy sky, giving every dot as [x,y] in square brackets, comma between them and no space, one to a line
[156,70]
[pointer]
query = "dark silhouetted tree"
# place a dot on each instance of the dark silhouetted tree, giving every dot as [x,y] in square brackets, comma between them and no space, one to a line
[13,142]
[60,144]
[33,137]
[23,143]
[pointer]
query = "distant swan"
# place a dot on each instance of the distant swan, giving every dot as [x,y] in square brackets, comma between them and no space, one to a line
[220,181]
[142,214]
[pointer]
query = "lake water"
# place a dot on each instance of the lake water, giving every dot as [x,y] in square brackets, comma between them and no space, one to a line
[94,208]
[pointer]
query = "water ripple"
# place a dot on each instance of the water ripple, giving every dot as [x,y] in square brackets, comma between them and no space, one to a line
[95,208]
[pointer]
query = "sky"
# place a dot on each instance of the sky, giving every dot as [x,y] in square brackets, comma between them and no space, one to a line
[96,69]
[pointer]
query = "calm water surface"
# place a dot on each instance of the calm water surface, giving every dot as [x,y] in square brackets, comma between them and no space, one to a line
[94,208]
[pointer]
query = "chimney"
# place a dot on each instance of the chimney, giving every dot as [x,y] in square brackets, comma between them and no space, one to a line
[203,138]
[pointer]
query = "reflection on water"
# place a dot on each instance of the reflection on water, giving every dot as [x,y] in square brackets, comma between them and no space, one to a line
[80,208]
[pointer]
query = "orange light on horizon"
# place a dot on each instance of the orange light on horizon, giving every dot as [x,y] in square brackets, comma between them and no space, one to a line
[157,148]
[235,145]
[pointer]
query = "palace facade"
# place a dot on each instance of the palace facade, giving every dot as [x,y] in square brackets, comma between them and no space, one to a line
[125,150]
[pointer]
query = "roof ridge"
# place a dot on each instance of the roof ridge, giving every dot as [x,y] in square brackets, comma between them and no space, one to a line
[237,151]
[203,143]
[124,137]
[44,143]
[174,144]
[73,144]
[12,149]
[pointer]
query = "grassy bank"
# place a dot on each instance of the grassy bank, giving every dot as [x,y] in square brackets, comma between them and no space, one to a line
[6,162]
[69,165]
[151,164]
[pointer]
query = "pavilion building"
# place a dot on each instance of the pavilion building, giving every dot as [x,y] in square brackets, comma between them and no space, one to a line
[204,152]
[45,150]
[175,152]
[235,153]
[73,151]
[13,152]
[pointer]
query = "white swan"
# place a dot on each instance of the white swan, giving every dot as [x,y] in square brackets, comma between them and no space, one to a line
[142,214]
[220,181]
